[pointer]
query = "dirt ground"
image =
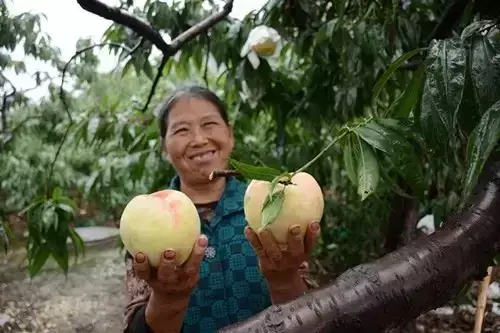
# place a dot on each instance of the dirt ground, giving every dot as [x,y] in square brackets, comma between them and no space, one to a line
[91,300]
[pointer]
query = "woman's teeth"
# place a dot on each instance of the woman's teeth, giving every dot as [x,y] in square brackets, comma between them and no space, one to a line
[203,156]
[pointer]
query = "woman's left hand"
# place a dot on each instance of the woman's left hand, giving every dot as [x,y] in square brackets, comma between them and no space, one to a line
[279,262]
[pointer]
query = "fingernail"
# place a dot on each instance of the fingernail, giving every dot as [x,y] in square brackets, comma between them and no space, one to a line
[169,254]
[248,231]
[315,226]
[202,241]
[139,257]
[295,230]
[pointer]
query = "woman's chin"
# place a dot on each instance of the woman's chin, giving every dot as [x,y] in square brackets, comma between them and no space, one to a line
[205,169]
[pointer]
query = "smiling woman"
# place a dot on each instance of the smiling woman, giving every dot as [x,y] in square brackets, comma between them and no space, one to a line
[197,139]
[232,273]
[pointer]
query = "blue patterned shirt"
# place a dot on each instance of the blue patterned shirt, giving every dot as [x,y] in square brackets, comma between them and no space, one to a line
[231,287]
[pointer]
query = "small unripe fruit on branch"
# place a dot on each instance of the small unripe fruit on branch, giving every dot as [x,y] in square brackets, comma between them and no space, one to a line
[262,42]
[153,223]
[265,48]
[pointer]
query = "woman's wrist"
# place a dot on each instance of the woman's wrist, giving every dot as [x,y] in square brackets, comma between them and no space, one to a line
[173,303]
[286,288]
[165,315]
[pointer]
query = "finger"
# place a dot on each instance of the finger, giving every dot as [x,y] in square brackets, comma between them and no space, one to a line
[311,238]
[270,245]
[141,266]
[254,241]
[192,265]
[167,271]
[295,241]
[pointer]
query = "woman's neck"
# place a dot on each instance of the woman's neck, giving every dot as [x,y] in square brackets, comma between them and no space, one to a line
[206,192]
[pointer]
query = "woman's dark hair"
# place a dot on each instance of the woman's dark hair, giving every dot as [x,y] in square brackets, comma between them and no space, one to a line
[188,91]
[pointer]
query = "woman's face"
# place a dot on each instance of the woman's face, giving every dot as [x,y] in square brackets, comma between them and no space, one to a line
[198,141]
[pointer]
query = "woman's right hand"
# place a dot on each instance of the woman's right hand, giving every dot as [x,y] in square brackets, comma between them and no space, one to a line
[169,282]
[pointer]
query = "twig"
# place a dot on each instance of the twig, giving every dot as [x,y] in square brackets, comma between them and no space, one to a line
[223,173]
[482,297]
[62,96]
[10,83]
[155,82]
[489,27]
[205,73]
[146,30]
[23,122]
[77,53]
[221,75]
[442,30]
[230,173]
[3,112]
[6,104]
[448,20]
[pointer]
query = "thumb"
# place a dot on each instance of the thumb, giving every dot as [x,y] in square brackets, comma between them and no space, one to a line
[141,266]
[254,241]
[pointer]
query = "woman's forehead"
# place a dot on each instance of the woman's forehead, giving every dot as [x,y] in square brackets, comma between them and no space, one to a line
[192,109]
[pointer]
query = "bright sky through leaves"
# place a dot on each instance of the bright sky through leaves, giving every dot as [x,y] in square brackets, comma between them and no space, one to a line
[67,22]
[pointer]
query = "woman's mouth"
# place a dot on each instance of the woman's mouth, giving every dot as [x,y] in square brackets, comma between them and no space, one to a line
[204,156]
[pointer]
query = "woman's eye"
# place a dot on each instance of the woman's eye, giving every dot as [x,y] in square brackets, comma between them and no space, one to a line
[210,123]
[180,130]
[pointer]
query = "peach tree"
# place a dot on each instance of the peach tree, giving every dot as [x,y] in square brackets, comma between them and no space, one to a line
[393,103]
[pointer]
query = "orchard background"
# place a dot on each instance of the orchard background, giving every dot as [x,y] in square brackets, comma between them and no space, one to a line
[413,85]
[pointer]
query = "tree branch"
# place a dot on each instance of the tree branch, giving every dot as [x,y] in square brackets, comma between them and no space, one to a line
[146,30]
[202,26]
[443,29]
[120,16]
[207,58]
[448,21]
[400,286]
[159,73]
[62,96]
[403,219]
[6,103]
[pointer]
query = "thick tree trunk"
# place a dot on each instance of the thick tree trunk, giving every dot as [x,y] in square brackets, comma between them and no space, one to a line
[403,221]
[400,286]
[401,230]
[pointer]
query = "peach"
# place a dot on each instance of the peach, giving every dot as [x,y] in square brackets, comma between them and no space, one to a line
[153,223]
[303,203]
[265,48]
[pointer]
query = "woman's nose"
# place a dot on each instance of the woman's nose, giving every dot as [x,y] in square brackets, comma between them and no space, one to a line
[199,138]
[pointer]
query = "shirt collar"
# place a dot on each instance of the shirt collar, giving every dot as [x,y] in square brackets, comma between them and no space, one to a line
[231,200]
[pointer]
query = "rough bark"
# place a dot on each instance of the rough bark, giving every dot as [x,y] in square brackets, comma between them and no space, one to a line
[402,229]
[400,286]
[403,220]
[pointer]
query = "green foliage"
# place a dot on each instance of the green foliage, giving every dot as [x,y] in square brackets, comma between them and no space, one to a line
[256,172]
[48,226]
[339,103]
[22,31]
[481,143]
[272,206]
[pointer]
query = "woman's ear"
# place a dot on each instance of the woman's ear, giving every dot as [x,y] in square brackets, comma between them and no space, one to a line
[164,152]
[231,137]
[165,156]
